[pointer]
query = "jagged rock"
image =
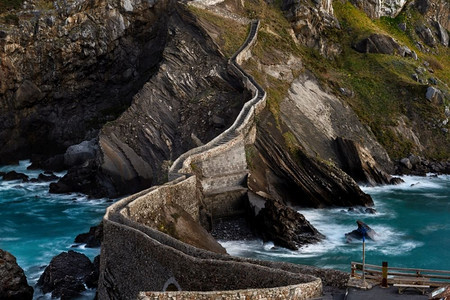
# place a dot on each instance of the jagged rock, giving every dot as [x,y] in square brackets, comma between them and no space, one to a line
[309,21]
[396,180]
[363,229]
[415,77]
[80,153]
[402,26]
[358,163]
[85,180]
[285,227]
[13,175]
[426,35]
[379,8]
[434,95]
[405,51]
[378,43]
[406,163]
[66,275]
[45,178]
[414,55]
[298,178]
[432,80]
[442,33]
[13,283]
[93,238]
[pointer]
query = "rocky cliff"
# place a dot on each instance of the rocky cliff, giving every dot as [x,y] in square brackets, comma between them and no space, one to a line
[124,87]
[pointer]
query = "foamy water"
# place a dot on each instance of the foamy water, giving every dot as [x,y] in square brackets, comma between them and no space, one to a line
[35,225]
[412,222]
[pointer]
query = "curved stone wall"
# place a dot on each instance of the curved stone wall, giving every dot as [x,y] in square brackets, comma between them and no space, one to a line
[140,262]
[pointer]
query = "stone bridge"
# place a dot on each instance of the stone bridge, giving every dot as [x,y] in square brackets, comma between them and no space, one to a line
[140,262]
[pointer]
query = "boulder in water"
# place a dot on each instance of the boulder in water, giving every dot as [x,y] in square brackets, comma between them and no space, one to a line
[13,175]
[357,234]
[13,283]
[93,238]
[66,275]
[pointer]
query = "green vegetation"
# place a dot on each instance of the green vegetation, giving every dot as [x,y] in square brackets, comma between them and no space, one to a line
[228,34]
[383,86]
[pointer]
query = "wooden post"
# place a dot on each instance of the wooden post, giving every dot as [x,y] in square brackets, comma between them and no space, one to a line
[384,269]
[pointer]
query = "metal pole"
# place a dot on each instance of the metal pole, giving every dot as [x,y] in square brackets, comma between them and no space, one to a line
[364,261]
[384,269]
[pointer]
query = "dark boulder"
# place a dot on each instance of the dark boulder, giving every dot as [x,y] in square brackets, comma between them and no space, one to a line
[378,43]
[426,35]
[66,275]
[285,226]
[357,234]
[80,153]
[13,175]
[93,238]
[13,283]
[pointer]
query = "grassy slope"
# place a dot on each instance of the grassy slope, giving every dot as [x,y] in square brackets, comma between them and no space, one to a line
[383,86]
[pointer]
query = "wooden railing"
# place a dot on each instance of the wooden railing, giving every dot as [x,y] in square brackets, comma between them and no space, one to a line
[401,275]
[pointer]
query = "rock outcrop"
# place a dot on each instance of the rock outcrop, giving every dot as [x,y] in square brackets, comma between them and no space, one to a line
[360,165]
[295,177]
[378,43]
[13,283]
[71,67]
[67,275]
[93,238]
[317,118]
[363,231]
[309,21]
[379,8]
[285,227]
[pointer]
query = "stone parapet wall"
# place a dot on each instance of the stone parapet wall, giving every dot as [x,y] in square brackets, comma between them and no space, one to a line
[184,193]
[141,262]
[293,292]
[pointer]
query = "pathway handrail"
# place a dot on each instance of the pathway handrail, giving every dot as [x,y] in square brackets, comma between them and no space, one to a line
[397,274]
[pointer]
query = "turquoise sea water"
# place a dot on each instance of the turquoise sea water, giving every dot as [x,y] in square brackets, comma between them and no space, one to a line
[36,225]
[412,220]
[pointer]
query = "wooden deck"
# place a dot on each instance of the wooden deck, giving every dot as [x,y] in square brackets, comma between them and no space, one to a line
[403,278]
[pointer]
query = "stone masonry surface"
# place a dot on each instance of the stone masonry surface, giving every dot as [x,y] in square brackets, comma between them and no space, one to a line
[138,262]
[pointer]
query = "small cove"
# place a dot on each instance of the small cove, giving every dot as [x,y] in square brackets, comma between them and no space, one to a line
[412,221]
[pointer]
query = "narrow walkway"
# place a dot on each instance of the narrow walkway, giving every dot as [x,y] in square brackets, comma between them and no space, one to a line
[232,131]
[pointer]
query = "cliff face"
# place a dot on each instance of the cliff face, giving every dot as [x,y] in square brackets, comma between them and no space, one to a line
[141,82]
[68,69]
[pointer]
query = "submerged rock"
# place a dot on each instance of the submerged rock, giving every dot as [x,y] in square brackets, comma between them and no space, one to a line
[13,283]
[66,275]
[357,234]
[13,175]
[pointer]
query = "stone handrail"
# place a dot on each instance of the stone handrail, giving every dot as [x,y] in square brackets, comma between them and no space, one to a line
[139,262]
[254,105]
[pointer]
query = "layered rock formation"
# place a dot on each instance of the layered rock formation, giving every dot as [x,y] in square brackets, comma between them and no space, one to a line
[13,283]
